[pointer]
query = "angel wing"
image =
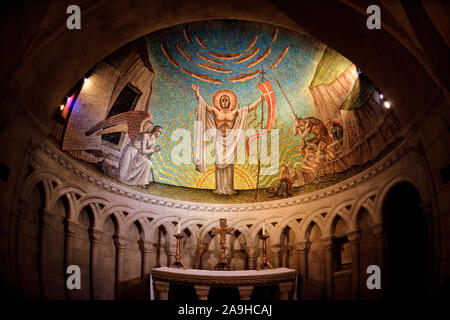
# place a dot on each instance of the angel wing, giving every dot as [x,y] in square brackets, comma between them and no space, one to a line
[131,122]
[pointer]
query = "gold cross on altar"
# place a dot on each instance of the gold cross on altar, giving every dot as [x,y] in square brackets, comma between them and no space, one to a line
[222,232]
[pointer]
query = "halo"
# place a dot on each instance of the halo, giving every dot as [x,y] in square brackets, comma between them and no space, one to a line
[229,93]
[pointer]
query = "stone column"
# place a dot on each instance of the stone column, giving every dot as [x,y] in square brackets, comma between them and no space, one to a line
[146,247]
[327,244]
[95,235]
[245,292]
[302,249]
[275,249]
[379,232]
[162,290]
[70,228]
[251,254]
[354,238]
[171,251]
[121,241]
[285,290]
[46,221]
[21,216]
[202,292]
[200,250]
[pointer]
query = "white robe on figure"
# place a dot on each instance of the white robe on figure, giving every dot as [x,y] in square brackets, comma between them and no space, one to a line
[135,167]
[224,147]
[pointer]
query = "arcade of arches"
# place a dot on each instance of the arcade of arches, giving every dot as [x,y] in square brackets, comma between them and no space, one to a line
[57,211]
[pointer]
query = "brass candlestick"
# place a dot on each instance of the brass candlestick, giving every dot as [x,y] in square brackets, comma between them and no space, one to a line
[177,263]
[265,260]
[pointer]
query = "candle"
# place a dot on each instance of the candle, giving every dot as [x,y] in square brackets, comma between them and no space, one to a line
[264,228]
[179,227]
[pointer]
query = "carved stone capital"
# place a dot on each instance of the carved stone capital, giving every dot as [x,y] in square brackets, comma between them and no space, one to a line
[250,250]
[95,234]
[327,243]
[378,229]
[302,246]
[245,292]
[162,290]
[285,290]
[47,219]
[202,292]
[146,246]
[354,236]
[275,249]
[171,249]
[70,227]
[121,241]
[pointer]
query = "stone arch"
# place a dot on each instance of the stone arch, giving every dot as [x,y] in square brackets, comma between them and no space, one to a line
[65,189]
[243,229]
[166,222]
[116,210]
[131,282]
[257,227]
[192,223]
[315,217]
[338,212]
[387,187]
[89,200]
[356,208]
[314,277]
[287,246]
[40,177]
[67,198]
[141,217]
[409,244]
[292,222]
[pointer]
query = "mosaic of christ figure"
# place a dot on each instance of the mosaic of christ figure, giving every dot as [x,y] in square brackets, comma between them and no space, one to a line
[228,125]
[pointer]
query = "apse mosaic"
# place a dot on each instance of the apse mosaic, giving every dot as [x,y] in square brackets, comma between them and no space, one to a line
[170,106]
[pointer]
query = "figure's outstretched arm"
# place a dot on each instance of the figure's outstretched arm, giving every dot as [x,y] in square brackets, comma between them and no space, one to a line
[198,96]
[196,90]
[255,104]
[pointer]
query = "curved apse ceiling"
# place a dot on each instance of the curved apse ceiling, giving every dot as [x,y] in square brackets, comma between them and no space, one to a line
[110,120]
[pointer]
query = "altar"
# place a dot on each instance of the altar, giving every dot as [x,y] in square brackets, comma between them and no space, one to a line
[244,280]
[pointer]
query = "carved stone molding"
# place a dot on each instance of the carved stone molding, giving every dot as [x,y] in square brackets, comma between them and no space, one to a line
[47,219]
[71,165]
[378,229]
[227,279]
[146,246]
[95,235]
[302,246]
[121,240]
[70,227]
[250,250]
[354,236]
[327,243]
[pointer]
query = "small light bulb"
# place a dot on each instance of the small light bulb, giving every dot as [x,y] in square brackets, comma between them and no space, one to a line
[61,107]
[381,96]
[387,105]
